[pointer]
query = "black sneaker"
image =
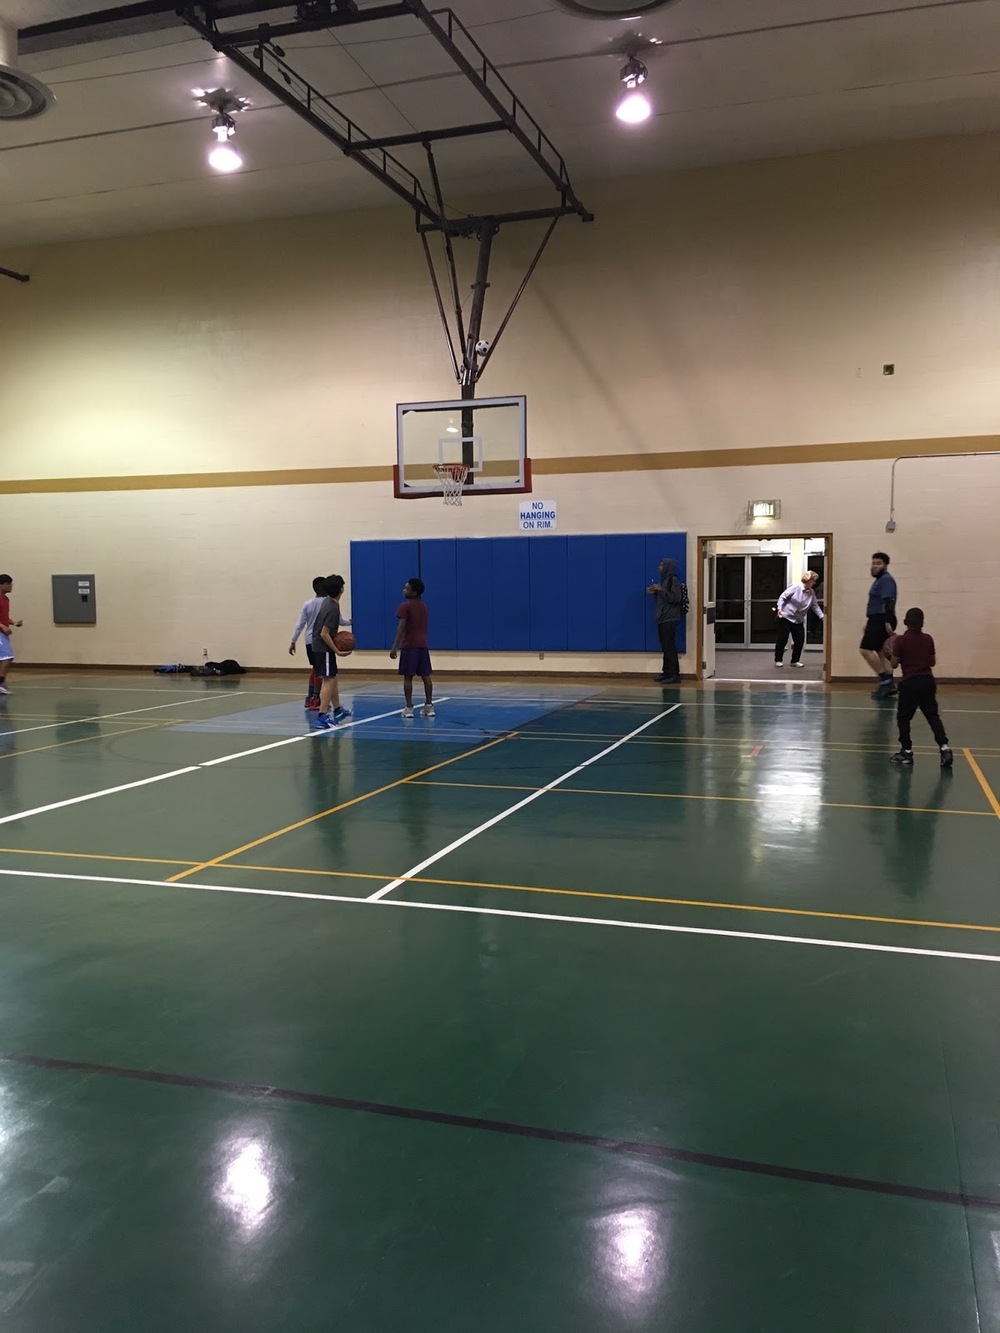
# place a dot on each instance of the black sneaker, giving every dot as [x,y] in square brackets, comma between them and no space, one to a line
[947,758]
[904,758]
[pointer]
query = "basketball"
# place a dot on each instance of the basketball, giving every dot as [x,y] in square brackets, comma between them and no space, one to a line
[344,641]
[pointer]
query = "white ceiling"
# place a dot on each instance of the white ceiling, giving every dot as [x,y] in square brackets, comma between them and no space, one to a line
[123,149]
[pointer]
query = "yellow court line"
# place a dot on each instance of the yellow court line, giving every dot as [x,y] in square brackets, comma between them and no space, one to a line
[695,796]
[58,745]
[625,897]
[526,733]
[98,856]
[344,805]
[981,778]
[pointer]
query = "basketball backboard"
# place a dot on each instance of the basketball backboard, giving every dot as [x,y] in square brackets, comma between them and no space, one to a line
[488,434]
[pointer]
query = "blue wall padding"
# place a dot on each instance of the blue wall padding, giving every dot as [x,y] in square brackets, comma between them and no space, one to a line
[473,596]
[438,570]
[518,594]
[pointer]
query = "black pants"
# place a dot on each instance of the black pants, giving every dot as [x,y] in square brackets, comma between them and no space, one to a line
[798,633]
[918,692]
[312,689]
[668,642]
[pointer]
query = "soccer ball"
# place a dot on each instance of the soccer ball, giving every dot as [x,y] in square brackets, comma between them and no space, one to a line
[482,347]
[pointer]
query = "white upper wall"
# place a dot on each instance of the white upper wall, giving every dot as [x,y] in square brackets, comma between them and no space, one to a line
[742,307]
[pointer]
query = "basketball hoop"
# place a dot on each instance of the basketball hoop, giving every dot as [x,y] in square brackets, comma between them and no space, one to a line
[453,477]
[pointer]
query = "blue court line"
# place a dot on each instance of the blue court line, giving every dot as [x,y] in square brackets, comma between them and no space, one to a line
[457,720]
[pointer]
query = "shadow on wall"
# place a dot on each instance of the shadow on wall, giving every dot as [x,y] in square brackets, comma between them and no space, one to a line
[666,349]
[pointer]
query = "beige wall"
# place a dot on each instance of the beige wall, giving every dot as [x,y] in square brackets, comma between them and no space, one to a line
[748,307]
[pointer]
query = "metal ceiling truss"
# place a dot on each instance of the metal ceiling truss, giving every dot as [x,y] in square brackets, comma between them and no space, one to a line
[256,51]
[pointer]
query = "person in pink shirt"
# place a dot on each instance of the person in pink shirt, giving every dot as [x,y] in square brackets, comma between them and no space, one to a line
[6,625]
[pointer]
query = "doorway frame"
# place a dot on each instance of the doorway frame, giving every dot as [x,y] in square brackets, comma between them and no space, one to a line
[773,536]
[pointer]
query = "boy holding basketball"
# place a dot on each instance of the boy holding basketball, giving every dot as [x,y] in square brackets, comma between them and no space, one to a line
[914,652]
[307,621]
[325,653]
[410,645]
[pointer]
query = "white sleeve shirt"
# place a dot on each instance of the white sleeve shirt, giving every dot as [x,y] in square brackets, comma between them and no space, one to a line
[796,602]
[307,619]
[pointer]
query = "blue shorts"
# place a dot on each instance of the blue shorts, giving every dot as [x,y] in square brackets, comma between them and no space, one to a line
[414,662]
[6,651]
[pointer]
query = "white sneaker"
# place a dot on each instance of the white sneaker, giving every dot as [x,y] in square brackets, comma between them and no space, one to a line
[428,710]
[4,689]
[801,665]
[407,712]
[779,664]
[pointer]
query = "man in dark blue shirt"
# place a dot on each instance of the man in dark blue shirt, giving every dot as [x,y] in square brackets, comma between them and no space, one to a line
[880,625]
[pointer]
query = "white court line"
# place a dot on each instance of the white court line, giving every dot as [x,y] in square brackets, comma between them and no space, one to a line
[818,710]
[595,699]
[611,922]
[327,731]
[97,717]
[509,699]
[193,768]
[93,795]
[519,805]
[764,680]
[25,683]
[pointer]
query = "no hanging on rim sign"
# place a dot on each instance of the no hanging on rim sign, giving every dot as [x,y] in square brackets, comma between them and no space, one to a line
[537,516]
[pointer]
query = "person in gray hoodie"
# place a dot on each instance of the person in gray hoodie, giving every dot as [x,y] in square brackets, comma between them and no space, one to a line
[669,594]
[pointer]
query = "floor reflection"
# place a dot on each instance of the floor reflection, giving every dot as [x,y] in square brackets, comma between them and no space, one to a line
[247,1179]
[632,1257]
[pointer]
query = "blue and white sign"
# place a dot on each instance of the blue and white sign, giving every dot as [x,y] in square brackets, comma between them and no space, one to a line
[537,516]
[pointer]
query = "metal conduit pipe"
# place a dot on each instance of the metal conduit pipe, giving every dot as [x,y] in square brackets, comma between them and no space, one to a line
[903,458]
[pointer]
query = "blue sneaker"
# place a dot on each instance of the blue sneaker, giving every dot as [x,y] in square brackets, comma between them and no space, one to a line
[341,715]
[323,721]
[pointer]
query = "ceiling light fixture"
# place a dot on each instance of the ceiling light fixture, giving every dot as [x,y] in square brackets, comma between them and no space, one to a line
[633,106]
[612,9]
[22,97]
[223,156]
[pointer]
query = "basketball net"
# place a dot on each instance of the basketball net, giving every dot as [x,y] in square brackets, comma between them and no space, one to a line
[453,477]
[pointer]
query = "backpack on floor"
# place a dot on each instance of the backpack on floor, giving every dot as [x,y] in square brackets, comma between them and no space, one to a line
[227,667]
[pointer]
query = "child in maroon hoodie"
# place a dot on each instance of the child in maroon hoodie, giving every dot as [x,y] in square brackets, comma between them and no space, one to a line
[914,652]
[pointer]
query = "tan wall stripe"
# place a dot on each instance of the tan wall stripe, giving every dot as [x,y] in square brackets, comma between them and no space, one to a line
[178,481]
[784,455]
[859,451]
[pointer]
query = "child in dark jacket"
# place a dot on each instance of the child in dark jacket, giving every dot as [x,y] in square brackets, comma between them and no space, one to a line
[914,651]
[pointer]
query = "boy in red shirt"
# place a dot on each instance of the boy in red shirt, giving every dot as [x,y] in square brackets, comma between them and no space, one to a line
[914,652]
[6,625]
[410,644]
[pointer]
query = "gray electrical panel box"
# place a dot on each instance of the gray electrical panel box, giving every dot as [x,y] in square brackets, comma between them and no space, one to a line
[74,599]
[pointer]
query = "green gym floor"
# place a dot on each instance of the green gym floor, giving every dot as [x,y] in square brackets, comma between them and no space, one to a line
[595,1007]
